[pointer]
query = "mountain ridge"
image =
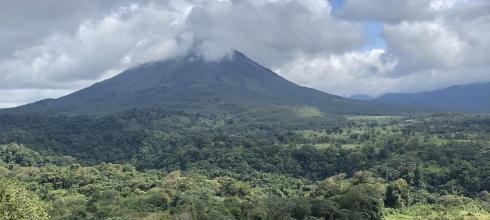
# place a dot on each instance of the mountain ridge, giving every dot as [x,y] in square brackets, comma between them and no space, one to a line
[473,98]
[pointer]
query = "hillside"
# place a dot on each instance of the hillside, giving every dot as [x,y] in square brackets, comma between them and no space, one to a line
[190,82]
[461,98]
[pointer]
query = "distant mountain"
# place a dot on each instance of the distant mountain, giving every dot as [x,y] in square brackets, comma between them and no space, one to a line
[191,82]
[461,98]
[361,97]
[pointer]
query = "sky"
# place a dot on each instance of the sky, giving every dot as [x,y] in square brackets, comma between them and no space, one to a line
[51,48]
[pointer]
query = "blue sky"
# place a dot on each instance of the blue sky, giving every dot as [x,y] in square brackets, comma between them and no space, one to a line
[372,29]
[374,39]
[336,4]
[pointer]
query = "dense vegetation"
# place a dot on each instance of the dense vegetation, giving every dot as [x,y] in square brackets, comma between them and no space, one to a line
[267,163]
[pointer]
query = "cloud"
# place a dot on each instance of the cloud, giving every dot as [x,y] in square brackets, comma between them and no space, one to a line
[388,11]
[425,46]
[272,32]
[16,97]
[122,38]
[448,50]
[26,23]
[346,74]
[396,11]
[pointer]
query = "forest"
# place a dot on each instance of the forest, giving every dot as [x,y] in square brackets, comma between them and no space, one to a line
[266,163]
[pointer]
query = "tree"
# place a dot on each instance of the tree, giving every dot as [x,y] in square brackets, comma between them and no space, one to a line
[333,186]
[398,194]
[362,201]
[17,203]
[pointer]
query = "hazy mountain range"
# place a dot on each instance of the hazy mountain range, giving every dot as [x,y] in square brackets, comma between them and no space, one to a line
[460,98]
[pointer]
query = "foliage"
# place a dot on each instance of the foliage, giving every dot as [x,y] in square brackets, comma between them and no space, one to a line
[398,194]
[159,164]
[17,203]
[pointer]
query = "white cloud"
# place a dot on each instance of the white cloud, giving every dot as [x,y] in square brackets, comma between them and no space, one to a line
[347,74]
[396,11]
[272,32]
[389,11]
[122,38]
[15,97]
[424,46]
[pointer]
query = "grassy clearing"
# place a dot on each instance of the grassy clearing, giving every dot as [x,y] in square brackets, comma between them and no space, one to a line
[344,146]
[372,117]
[322,146]
[436,140]
[349,146]
[433,168]
[438,212]
[308,112]
[312,133]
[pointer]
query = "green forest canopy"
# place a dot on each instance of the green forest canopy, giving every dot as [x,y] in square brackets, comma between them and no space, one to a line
[156,164]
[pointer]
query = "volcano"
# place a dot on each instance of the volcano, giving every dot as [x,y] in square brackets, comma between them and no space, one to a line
[192,82]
